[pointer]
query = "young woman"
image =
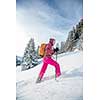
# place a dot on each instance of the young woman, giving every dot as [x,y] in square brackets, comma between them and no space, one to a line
[47,59]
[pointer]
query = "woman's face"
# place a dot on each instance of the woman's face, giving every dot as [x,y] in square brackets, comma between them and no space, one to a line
[53,42]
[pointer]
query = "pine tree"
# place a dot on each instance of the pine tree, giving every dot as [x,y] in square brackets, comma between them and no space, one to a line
[62,47]
[29,58]
[75,38]
[37,52]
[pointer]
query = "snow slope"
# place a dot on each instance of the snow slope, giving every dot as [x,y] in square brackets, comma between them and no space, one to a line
[69,87]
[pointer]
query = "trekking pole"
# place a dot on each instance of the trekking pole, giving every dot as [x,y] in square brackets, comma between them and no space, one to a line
[56,56]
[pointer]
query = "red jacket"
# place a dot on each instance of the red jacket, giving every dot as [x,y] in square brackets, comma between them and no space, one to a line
[49,51]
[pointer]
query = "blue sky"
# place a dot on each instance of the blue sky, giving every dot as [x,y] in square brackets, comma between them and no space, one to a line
[42,19]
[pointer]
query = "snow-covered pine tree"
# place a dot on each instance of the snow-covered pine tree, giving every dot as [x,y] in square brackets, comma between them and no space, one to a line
[30,57]
[69,41]
[75,38]
[37,51]
[62,47]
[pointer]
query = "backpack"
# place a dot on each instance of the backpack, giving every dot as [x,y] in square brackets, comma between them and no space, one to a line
[41,51]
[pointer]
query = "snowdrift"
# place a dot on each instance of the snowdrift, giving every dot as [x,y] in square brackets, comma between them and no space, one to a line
[69,87]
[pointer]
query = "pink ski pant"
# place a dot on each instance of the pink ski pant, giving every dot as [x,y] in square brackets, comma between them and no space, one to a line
[46,61]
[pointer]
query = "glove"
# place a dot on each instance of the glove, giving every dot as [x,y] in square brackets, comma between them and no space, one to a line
[56,49]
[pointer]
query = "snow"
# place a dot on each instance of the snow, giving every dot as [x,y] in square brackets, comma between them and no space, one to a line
[68,87]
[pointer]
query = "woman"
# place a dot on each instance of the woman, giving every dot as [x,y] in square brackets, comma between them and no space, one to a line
[47,59]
